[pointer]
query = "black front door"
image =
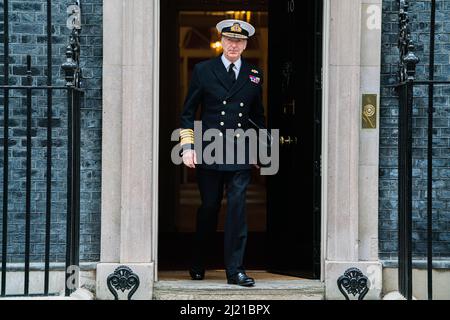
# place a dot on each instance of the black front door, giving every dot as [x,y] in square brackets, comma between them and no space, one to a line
[295,63]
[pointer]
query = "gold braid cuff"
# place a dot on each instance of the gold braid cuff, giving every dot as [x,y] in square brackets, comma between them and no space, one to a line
[187,136]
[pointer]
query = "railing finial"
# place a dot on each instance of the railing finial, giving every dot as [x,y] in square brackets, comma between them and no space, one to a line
[408,60]
[72,67]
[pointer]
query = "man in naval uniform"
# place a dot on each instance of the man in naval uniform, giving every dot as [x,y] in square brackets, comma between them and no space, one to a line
[229,91]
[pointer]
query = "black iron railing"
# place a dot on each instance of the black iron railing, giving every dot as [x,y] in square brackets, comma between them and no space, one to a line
[405,88]
[74,93]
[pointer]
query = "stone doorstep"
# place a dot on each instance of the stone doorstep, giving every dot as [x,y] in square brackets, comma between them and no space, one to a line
[218,290]
[39,298]
[79,294]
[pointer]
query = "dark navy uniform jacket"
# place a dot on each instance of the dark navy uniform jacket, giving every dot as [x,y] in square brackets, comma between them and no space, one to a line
[224,105]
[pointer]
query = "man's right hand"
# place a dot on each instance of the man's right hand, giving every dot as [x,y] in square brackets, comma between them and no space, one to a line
[189,158]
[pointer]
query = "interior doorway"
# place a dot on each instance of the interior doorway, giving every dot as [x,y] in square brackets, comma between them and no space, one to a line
[283,219]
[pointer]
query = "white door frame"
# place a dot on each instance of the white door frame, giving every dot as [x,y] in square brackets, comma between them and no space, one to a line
[349,195]
[155,146]
[324,153]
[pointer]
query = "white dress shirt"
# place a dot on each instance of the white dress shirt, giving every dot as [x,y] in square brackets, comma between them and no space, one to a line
[237,65]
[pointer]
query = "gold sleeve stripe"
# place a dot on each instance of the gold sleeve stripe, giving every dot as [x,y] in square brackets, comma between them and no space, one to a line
[190,131]
[187,135]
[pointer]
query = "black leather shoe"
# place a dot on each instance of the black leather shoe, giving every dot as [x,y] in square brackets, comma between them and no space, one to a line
[197,275]
[241,279]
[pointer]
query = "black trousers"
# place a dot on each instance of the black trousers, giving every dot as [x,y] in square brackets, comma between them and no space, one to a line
[211,184]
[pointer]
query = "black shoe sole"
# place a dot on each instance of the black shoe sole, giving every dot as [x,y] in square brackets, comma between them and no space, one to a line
[244,284]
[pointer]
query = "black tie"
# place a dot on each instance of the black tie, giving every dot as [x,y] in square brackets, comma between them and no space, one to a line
[231,73]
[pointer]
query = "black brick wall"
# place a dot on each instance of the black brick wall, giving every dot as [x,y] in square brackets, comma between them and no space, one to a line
[420,17]
[27,28]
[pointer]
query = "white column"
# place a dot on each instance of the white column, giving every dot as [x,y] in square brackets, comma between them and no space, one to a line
[371,12]
[343,130]
[138,41]
[352,155]
[133,107]
[111,131]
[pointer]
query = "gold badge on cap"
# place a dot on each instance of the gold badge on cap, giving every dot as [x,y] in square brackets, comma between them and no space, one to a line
[236,28]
